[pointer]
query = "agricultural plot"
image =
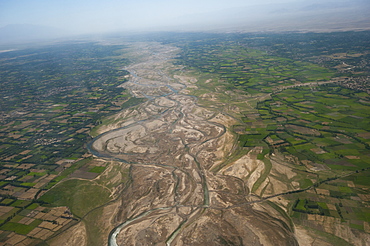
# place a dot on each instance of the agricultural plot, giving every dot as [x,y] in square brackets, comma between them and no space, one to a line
[54,96]
[32,223]
[51,98]
[326,125]
[326,128]
[252,70]
[342,200]
[79,195]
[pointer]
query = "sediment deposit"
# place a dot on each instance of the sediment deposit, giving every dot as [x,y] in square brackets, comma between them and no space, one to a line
[171,144]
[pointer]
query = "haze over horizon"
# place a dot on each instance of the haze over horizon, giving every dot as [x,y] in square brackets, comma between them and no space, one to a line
[96,16]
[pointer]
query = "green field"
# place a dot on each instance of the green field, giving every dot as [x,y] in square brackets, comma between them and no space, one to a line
[57,97]
[97,169]
[20,228]
[319,126]
[324,127]
[79,195]
[252,70]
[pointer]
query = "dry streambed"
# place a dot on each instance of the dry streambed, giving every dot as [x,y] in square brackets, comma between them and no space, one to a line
[171,143]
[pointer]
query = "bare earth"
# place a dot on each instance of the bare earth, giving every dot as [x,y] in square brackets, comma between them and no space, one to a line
[171,144]
[176,177]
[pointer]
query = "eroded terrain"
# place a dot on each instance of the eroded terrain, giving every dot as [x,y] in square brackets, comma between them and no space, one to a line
[171,144]
[232,145]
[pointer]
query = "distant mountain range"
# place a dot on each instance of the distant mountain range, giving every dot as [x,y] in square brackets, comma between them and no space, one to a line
[25,32]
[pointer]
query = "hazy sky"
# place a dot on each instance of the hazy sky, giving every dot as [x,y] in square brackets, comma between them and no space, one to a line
[106,15]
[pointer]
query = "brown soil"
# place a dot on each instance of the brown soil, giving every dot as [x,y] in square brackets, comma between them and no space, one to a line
[171,144]
[76,235]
